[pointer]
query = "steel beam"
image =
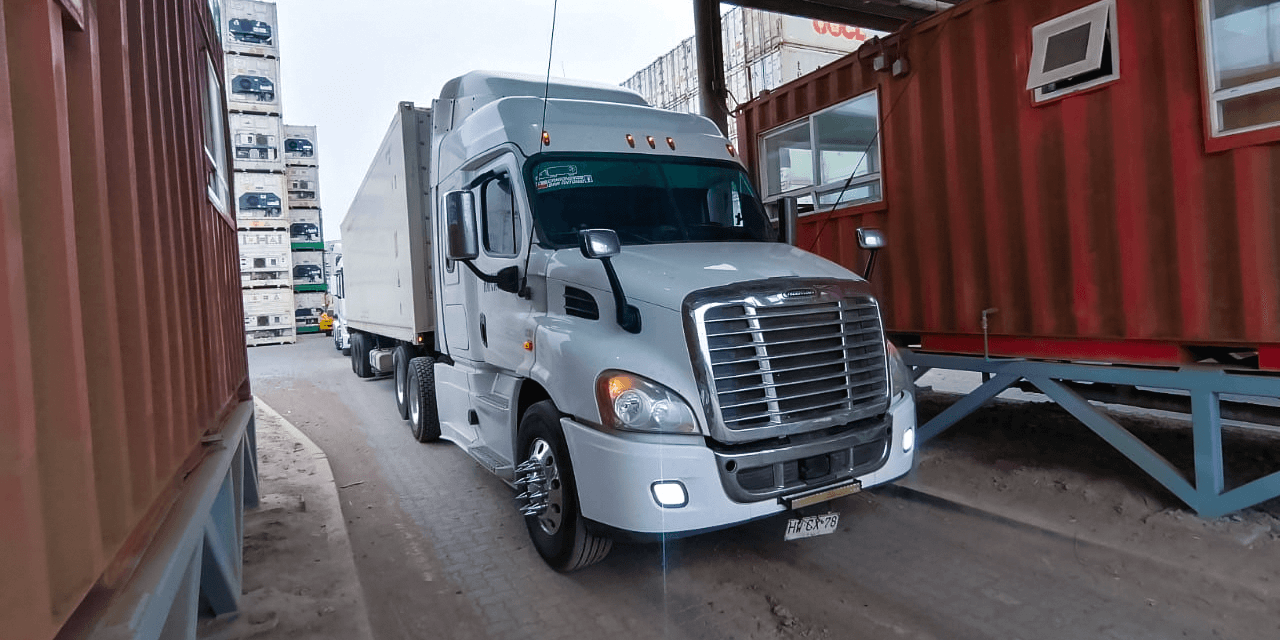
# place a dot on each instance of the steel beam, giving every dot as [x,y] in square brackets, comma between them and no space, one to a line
[881,15]
[712,92]
[1205,384]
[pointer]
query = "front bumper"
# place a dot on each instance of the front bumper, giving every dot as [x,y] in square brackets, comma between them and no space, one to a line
[615,475]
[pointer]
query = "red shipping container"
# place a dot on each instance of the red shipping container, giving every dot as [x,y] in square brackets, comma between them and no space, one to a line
[1105,225]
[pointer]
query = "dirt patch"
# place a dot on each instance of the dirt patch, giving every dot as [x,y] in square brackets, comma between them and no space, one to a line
[299,577]
[1035,463]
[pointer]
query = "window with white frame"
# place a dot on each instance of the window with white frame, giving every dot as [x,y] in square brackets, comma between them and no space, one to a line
[1242,40]
[1074,52]
[829,159]
[215,146]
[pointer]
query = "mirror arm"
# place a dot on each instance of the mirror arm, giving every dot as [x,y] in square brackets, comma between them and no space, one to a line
[508,279]
[628,315]
[871,265]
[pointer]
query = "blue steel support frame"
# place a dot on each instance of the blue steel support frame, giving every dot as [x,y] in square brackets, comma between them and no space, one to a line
[1204,493]
[196,555]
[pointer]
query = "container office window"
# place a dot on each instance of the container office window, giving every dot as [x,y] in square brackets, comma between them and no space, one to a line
[215,145]
[1243,61]
[829,159]
[1074,52]
[501,226]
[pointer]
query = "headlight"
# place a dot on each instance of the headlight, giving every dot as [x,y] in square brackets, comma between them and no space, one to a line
[900,378]
[632,403]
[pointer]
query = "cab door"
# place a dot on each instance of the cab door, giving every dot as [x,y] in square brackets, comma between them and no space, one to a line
[504,319]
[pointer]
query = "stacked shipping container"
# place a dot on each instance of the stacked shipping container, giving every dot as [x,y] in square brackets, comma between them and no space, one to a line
[260,146]
[306,229]
[762,50]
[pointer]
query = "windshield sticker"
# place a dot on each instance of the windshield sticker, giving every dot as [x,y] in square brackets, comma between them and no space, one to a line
[561,176]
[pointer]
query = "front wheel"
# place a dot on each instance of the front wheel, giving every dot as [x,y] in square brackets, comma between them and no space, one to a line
[424,417]
[549,500]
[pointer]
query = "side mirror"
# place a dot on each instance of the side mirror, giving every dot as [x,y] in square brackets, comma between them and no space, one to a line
[460,221]
[598,244]
[603,244]
[872,240]
[788,219]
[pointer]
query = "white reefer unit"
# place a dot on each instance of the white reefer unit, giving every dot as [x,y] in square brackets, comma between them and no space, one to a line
[268,315]
[304,186]
[250,28]
[265,259]
[304,225]
[307,308]
[255,142]
[308,267]
[300,145]
[253,84]
[260,200]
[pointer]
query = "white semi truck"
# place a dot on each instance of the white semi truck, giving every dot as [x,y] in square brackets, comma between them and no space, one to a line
[585,294]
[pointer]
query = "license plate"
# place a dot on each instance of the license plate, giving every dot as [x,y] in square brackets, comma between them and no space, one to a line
[808,527]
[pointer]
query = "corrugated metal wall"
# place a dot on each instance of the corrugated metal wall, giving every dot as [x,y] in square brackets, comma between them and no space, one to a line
[120,328]
[1100,216]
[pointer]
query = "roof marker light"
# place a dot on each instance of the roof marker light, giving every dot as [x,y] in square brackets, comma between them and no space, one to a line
[546,138]
[631,141]
[671,142]
[652,144]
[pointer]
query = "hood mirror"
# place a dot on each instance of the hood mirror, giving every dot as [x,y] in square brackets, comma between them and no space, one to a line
[872,240]
[603,244]
[598,244]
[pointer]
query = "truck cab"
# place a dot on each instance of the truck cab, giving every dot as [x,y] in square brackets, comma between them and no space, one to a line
[616,331]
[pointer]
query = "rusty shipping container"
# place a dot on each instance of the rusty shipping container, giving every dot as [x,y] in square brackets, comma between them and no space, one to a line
[1133,216]
[123,377]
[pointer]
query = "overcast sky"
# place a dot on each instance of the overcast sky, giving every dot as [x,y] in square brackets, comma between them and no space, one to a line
[345,65]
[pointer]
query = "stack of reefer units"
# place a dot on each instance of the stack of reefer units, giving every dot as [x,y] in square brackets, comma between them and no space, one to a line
[762,51]
[277,204]
[305,229]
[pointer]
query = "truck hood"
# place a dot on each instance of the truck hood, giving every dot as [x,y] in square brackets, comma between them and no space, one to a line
[663,274]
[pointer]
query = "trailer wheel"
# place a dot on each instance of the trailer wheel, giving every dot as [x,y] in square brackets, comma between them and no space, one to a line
[424,418]
[550,497]
[401,358]
[360,348]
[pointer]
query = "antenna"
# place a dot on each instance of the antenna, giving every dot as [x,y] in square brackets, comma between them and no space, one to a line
[546,88]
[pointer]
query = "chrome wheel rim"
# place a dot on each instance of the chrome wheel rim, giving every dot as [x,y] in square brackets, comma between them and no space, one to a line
[400,384]
[414,409]
[550,518]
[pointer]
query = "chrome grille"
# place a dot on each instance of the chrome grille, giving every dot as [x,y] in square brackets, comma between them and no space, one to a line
[788,363]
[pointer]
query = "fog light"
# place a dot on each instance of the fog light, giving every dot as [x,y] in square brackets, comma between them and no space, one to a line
[908,439]
[670,494]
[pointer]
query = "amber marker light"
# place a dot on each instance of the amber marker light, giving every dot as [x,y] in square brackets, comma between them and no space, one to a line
[671,142]
[617,385]
[731,151]
[528,345]
[652,144]
[631,141]
[546,138]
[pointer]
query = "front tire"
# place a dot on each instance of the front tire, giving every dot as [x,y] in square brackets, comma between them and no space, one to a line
[558,530]
[424,417]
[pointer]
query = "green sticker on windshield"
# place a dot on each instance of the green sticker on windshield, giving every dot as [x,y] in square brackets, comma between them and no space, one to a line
[561,175]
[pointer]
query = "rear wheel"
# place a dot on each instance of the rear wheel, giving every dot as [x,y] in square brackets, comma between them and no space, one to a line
[550,498]
[360,346]
[401,358]
[424,418]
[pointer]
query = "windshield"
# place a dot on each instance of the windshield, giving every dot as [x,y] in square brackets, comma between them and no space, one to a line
[646,200]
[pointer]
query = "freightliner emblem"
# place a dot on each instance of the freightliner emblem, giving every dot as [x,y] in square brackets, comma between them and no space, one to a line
[800,293]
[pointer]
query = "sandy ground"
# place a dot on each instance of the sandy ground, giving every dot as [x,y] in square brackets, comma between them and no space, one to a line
[1017,523]
[299,577]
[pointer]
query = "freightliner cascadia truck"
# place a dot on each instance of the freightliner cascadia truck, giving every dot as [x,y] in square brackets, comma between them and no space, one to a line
[585,294]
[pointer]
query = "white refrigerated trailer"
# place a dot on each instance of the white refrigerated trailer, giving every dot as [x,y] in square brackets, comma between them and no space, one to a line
[585,294]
